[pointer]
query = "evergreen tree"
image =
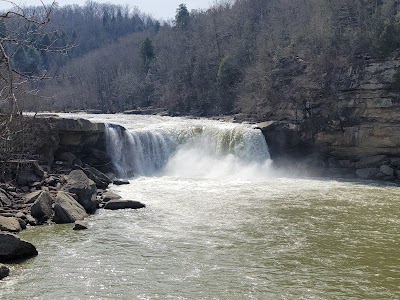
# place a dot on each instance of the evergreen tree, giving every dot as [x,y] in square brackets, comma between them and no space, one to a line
[147,51]
[182,17]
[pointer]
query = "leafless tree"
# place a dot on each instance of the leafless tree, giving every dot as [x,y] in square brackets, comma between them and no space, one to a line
[20,28]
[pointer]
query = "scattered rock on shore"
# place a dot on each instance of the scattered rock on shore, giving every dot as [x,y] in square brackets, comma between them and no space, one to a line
[78,183]
[13,248]
[67,209]
[123,204]
[10,224]
[42,208]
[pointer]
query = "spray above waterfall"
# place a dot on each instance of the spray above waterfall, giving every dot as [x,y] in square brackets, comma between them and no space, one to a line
[187,148]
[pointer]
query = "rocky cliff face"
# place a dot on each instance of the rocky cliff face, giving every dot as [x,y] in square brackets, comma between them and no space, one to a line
[81,140]
[360,119]
[368,114]
[57,141]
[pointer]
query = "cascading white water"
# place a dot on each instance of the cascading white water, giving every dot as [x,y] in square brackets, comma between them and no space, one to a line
[188,148]
[138,152]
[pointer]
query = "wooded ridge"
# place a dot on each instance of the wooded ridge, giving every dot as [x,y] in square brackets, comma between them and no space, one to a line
[255,57]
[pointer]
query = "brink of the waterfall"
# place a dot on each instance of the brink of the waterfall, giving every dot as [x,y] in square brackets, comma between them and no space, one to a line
[188,148]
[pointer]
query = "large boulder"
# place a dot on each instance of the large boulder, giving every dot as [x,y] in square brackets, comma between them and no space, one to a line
[100,179]
[79,184]
[42,209]
[4,271]
[10,224]
[13,248]
[123,204]
[67,209]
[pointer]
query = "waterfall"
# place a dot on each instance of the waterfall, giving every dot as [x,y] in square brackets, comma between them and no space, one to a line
[197,148]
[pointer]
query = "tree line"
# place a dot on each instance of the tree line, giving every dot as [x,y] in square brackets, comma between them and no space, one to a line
[248,56]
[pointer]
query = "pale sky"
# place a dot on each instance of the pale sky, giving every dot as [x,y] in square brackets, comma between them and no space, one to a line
[160,9]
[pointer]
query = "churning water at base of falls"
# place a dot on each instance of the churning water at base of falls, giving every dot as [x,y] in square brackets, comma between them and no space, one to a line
[224,235]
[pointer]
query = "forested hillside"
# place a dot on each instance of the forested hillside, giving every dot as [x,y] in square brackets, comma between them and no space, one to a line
[249,56]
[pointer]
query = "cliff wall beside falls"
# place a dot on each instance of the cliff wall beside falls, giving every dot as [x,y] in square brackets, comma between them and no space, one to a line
[55,141]
[356,119]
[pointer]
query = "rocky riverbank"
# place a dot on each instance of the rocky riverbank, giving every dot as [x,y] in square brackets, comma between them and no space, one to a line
[61,199]
[61,182]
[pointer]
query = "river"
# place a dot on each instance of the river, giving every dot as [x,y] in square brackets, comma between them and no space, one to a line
[220,223]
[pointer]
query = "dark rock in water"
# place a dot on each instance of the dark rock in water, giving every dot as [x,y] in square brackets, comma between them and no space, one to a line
[78,183]
[80,225]
[120,182]
[108,196]
[10,224]
[123,204]
[13,248]
[67,209]
[42,209]
[4,271]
